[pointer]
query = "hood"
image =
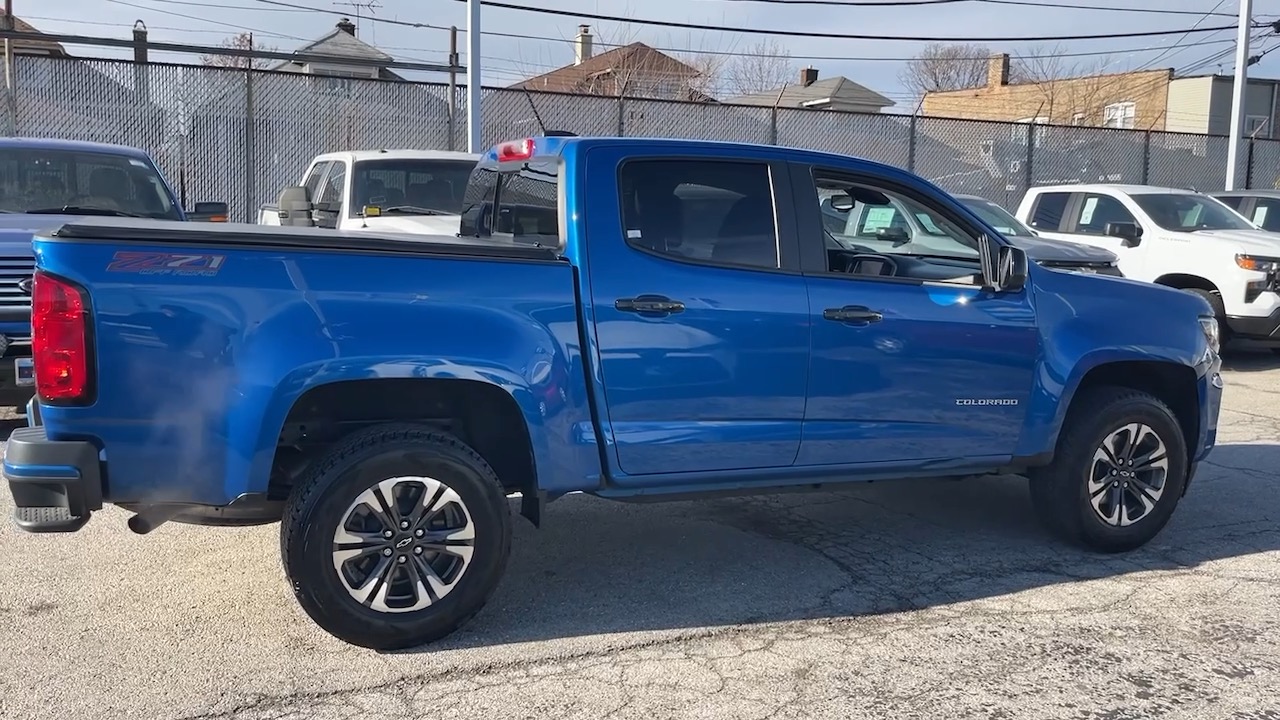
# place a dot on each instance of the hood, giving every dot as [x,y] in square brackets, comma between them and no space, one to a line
[412,224]
[16,230]
[1259,242]
[1041,249]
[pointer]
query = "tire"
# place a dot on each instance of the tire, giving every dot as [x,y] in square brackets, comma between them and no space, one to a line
[1060,492]
[1214,298]
[415,467]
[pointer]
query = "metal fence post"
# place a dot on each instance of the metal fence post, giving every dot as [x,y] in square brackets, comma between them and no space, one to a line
[622,121]
[1248,166]
[911,144]
[773,125]
[250,179]
[1146,156]
[1031,153]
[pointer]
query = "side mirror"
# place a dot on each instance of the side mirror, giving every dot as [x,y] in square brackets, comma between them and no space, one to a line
[1011,268]
[897,235]
[1130,234]
[842,202]
[294,207]
[1004,267]
[208,212]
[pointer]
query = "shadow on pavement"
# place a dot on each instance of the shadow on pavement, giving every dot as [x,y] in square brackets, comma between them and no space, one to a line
[1249,358]
[600,567]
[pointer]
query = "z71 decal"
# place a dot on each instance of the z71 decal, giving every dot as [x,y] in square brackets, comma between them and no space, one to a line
[153,263]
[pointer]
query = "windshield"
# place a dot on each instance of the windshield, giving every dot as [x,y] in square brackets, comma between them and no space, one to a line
[410,187]
[997,217]
[1184,212]
[48,180]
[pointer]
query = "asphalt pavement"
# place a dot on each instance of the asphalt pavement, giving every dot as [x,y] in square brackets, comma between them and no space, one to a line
[893,600]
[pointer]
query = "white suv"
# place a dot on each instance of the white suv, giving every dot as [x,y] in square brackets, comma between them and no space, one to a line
[1180,238]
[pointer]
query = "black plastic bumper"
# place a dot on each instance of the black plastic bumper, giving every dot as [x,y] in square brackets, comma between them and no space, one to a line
[56,485]
[1256,328]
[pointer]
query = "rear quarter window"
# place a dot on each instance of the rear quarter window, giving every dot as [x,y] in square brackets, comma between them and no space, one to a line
[1048,209]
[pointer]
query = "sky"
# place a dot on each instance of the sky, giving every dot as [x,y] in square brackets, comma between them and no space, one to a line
[545,40]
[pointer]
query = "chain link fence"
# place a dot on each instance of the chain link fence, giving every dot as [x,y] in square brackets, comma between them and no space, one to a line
[241,136]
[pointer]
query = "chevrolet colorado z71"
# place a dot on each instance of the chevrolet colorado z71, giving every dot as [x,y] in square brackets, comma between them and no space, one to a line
[631,318]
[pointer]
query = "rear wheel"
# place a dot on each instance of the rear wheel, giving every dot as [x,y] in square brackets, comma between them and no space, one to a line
[396,538]
[1120,470]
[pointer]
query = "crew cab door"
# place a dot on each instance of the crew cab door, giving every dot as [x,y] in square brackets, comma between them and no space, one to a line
[913,362]
[1083,217]
[700,314]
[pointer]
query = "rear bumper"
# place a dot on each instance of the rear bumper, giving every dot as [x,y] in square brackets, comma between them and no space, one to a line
[56,485]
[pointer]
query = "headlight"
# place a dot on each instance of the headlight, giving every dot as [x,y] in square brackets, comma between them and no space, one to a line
[1209,326]
[1258,264]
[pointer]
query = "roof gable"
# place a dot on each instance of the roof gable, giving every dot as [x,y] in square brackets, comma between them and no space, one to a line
[636,59]
[341,43]
[839,89]
[34,47]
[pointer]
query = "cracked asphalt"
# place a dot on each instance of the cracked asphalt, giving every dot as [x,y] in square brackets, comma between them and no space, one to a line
[892,600]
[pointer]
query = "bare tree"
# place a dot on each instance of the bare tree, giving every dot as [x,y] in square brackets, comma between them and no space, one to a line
[1076,93]
[942,66]
[762,67]
[241,41]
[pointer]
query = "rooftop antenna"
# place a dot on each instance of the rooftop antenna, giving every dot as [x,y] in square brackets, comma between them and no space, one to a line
[369,5]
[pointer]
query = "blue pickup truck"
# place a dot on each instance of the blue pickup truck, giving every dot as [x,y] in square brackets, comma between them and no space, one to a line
[634,319]
[44,183]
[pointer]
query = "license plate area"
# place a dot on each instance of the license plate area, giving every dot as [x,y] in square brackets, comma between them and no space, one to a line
[24,372]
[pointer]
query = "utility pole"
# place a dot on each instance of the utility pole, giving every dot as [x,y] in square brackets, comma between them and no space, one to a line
[473,76]
[1238,90]
[453,85]
[11,101]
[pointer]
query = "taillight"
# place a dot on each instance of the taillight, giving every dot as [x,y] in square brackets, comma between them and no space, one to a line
[59,340]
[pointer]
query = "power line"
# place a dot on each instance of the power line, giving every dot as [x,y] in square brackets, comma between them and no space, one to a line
[197,18]
[195,3]
[1027,3]
[1213,9]
[388,21]
[837,36]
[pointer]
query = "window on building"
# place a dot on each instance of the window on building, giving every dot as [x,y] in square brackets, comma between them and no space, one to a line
[1077,119]
[1256,126]
[1119,115]
[1018,134]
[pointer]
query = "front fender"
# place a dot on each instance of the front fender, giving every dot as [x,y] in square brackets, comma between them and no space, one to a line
[1087,322]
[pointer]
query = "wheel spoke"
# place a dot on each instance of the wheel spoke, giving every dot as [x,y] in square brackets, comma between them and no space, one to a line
[375,582]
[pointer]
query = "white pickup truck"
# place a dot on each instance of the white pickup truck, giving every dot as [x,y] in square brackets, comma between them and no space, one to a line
[405,191]
[1174,237]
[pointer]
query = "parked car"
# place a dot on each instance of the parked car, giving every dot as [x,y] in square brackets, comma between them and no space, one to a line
[684,328]
[1056,254]
[1180,238]
[1261,206]
[409,191]
[44,182]
[904,225]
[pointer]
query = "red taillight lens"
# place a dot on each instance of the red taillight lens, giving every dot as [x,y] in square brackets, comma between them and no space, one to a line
[59,342]
[516,150]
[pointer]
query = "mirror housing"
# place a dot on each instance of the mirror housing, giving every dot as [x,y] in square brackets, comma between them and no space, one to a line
[208,212]
[1130,234]
[294,207]
[1004,267]
[842,202]
[898,235]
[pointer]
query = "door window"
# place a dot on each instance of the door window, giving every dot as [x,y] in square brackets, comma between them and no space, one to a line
[314,178]
[706,211]
[331,193]
[1048,210]
[1266,214]
[1098,210]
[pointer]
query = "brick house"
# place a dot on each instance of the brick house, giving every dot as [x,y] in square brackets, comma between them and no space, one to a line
[1131,100]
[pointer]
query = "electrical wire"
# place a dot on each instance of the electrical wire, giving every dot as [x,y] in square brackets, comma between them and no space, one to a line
[837,36]
[200,19]
[1027,3]
[1206,16]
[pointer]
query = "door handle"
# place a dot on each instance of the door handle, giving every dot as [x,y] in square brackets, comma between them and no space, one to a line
[649,305]
[852,314]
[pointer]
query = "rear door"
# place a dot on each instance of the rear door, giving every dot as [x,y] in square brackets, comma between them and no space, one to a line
[913,363]
[700,312]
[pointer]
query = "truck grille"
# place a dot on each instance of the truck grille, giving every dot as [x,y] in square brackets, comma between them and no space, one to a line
[14,270]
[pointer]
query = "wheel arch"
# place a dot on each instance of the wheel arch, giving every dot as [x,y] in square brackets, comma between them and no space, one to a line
[1186,281]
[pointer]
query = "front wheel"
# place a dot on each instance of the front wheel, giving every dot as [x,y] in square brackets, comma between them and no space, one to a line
[396,538]
[1120,470]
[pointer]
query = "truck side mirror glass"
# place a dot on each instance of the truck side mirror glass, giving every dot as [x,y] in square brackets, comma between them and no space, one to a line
[1130,234]
[897,235]
[841,202]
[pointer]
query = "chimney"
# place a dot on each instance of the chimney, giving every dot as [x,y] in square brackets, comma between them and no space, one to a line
[808,76]
[346,26]
[141,82]
[582,45]
[998,70]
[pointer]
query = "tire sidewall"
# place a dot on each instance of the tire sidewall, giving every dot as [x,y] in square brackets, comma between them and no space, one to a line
[309,560]
[1131,410]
